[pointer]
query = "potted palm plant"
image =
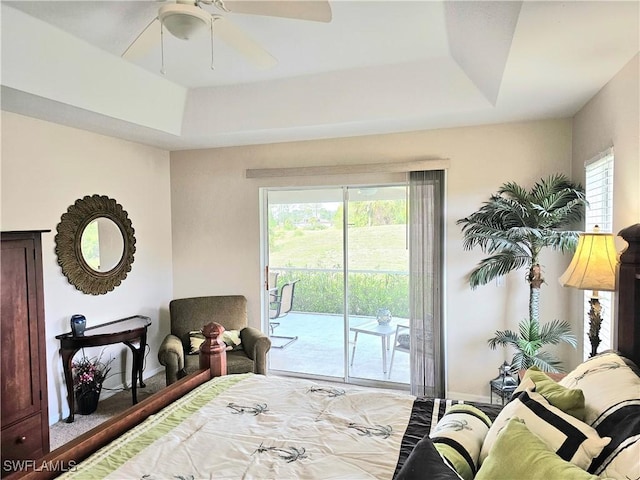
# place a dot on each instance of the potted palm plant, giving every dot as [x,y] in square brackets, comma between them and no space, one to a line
[513,228]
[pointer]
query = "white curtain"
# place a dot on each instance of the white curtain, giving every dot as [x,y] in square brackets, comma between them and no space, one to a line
[426,227]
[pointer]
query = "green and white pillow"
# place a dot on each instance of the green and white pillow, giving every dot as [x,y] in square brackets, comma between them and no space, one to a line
[571,439]
[458,436]
[569,400]
[232,339]
[520,454]
[196,338]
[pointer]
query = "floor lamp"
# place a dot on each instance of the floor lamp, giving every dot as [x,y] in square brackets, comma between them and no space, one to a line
[593,267]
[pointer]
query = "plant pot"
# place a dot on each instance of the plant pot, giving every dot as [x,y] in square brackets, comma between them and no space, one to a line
[87,401]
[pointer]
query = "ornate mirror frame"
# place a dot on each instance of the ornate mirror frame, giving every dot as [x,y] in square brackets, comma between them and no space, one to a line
[68,244]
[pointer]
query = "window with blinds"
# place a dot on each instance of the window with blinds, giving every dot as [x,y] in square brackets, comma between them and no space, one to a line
[599,193]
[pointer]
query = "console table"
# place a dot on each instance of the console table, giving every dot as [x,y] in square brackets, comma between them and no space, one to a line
[132,331]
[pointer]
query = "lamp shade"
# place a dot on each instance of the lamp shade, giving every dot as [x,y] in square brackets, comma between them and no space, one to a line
[593,266]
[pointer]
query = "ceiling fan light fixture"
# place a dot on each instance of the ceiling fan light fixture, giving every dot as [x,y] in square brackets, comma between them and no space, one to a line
[184,21]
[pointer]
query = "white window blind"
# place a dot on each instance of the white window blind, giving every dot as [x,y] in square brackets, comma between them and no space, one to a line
[599,193]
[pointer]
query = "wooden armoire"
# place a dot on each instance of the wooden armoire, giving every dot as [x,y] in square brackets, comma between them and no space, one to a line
[23,374]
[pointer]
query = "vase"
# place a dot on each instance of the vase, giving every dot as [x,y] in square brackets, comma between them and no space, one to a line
[383,316]
[87,401]
[78,324]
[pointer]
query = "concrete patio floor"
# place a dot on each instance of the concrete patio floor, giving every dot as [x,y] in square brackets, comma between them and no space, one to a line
[319,350]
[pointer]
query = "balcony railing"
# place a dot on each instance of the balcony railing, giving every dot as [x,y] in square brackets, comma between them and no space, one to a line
[321,290]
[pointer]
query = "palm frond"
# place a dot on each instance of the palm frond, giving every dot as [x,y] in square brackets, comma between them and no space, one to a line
[503,339]
[563,241]
[483,236]
[557,331]
[515,191]
[529,329]
[518,362]
[497,265]
[560,210]
[546,362]
[547,187]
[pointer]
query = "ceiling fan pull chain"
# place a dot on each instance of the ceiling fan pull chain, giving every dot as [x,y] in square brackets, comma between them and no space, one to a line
[213,67]
[162,70]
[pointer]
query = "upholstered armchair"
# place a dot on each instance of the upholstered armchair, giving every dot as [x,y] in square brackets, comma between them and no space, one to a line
[189,315]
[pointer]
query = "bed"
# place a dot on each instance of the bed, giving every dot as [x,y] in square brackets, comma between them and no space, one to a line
[253,426]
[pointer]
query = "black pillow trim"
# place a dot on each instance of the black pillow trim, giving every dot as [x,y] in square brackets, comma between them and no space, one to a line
[458,448]
[484,420]
[620,425]
[574,437]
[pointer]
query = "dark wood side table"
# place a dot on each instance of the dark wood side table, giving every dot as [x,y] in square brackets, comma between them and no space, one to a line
[132,331]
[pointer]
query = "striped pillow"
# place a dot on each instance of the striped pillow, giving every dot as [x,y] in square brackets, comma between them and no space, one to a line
[571,439]
[621,458]
[606,380]
[458,437]
[611,387]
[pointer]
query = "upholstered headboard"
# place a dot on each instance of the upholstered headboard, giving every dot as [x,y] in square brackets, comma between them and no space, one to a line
[629,295]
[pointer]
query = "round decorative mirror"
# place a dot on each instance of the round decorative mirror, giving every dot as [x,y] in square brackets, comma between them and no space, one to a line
[95,244]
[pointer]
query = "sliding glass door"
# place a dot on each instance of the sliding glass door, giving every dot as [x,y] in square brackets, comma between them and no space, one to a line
[337,283]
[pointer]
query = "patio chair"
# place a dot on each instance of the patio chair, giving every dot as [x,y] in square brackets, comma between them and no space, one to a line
[279,306]
[400,342]
[273,280]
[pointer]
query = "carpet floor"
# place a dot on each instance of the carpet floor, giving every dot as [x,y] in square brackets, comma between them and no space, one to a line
[63,432]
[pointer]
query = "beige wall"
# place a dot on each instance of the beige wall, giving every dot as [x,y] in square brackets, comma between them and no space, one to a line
[612,118]
[216,218]
[45,168]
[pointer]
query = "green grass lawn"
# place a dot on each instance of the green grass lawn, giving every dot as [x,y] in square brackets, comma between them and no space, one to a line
[381,247]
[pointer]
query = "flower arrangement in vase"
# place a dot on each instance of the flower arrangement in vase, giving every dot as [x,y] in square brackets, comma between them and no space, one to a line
[88,376]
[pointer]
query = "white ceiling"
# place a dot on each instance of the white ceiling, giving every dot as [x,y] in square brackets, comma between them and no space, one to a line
[377,67]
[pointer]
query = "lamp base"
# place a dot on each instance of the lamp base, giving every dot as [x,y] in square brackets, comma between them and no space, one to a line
[595,322]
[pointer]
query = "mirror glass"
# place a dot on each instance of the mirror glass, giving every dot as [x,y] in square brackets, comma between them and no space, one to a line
[102,244]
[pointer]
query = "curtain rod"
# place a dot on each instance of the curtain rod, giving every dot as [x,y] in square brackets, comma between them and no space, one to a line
[390,167]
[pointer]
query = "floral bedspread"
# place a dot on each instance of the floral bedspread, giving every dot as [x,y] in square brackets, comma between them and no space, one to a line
[262,427]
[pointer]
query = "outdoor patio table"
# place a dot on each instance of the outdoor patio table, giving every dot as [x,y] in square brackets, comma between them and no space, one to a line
[373,328]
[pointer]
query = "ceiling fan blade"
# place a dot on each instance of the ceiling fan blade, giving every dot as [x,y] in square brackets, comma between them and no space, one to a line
[313,10]
[240,41]
[146,41]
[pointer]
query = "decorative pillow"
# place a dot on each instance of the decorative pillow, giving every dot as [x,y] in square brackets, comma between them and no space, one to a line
[519,454]
[568,400]
[196,338]
[606,381]
[458,436]
[425,463]
[232,339]
[621,458]
[570,438]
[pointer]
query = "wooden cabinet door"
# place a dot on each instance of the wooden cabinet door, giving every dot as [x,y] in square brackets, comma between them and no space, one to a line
[20,386]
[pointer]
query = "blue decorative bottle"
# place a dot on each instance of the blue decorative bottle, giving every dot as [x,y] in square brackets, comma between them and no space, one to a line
[78,324]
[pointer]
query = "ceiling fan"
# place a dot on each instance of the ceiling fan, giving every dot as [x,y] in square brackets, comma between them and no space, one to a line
[185,19]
